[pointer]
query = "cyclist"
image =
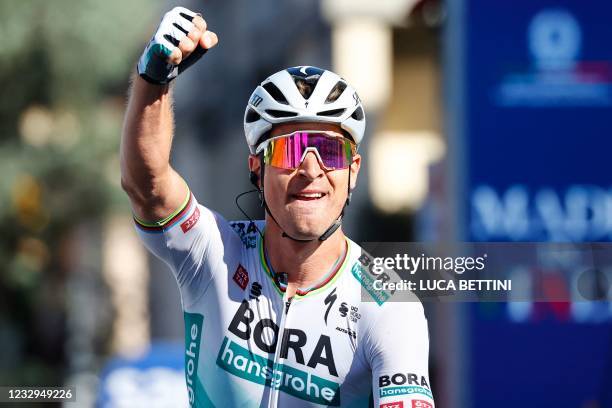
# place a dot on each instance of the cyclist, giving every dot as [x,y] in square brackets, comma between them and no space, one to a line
[279,312]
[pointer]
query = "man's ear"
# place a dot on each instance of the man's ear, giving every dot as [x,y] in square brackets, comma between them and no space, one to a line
[255,170]
[354,169]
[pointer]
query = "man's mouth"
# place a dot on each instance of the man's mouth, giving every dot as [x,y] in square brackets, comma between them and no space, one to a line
[308,196]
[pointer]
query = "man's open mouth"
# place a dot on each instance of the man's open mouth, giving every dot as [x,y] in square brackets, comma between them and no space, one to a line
[308,196]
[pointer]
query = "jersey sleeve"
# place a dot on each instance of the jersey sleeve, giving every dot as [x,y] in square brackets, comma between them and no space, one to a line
[191,241]
[398,351]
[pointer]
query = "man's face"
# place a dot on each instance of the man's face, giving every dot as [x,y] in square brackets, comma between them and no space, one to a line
[307,200]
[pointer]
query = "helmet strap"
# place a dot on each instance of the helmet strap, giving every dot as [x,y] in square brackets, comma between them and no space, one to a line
[328,232]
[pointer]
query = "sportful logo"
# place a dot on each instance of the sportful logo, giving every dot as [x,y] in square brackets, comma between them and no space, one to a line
[343,309]
[255,291]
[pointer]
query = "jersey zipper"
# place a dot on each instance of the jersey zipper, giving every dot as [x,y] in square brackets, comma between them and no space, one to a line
[285,306]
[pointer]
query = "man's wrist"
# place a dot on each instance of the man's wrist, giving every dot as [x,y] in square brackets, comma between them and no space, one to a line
[150,91]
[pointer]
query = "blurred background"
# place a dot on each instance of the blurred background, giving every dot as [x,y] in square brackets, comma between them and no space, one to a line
[487,121]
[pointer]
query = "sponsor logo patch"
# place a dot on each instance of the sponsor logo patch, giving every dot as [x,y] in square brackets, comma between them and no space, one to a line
[393,391]
[247,233]
[421,404]
[395,404]
[241,277]
[329,300]
[193,336]
[190,222]
[367,282]
[245,364]
[352,333]
[343,309]
[255,291]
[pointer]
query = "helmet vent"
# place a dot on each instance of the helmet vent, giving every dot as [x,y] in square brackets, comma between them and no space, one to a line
[280,114]
[252,116]
[275,93]
[333,112]
[306,85]
[358,114]
[336,91]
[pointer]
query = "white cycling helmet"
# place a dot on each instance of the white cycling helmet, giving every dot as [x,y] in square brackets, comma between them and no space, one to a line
[328,99]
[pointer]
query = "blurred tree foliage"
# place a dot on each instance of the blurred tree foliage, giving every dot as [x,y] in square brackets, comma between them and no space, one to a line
[64,68]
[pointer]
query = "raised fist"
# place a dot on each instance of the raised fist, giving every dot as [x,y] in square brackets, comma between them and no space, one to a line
[180,40]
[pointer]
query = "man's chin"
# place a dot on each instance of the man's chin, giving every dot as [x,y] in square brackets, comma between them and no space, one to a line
[307,232]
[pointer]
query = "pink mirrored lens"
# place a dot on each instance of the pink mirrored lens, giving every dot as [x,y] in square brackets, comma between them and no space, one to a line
[287,152]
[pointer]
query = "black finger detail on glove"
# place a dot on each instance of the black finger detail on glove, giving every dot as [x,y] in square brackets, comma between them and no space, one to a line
[180,28]
[191,59]
[187,16]
[172,40]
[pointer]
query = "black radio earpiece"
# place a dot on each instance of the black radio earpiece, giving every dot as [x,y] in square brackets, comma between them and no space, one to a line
[254,178]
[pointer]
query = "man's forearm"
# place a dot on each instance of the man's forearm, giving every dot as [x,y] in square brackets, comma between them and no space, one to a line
[145,150]
[154,188]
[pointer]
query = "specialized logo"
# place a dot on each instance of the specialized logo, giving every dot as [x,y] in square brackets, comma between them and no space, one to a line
[305,71]
[190,222]
[421,404]
[395,404]
[356,98]
[401,384]
[256,100]
[329,300]
[241,277]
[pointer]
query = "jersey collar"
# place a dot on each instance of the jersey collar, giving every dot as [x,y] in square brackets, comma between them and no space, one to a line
[325,281]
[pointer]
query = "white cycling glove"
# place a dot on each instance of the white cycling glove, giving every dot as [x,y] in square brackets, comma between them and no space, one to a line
[153,65]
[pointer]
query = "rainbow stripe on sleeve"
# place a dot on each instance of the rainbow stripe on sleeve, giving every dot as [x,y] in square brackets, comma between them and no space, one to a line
[173,219]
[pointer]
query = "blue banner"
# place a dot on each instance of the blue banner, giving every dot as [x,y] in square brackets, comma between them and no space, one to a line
[536,103]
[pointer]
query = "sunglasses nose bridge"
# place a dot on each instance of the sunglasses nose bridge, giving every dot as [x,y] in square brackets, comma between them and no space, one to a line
[311,164]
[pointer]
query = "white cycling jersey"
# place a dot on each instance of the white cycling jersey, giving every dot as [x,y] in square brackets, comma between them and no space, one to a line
[336,343]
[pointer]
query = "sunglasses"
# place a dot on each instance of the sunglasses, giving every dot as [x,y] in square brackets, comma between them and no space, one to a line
[289,151]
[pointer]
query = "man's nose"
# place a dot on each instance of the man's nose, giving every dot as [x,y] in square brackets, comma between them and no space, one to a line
[310,167]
